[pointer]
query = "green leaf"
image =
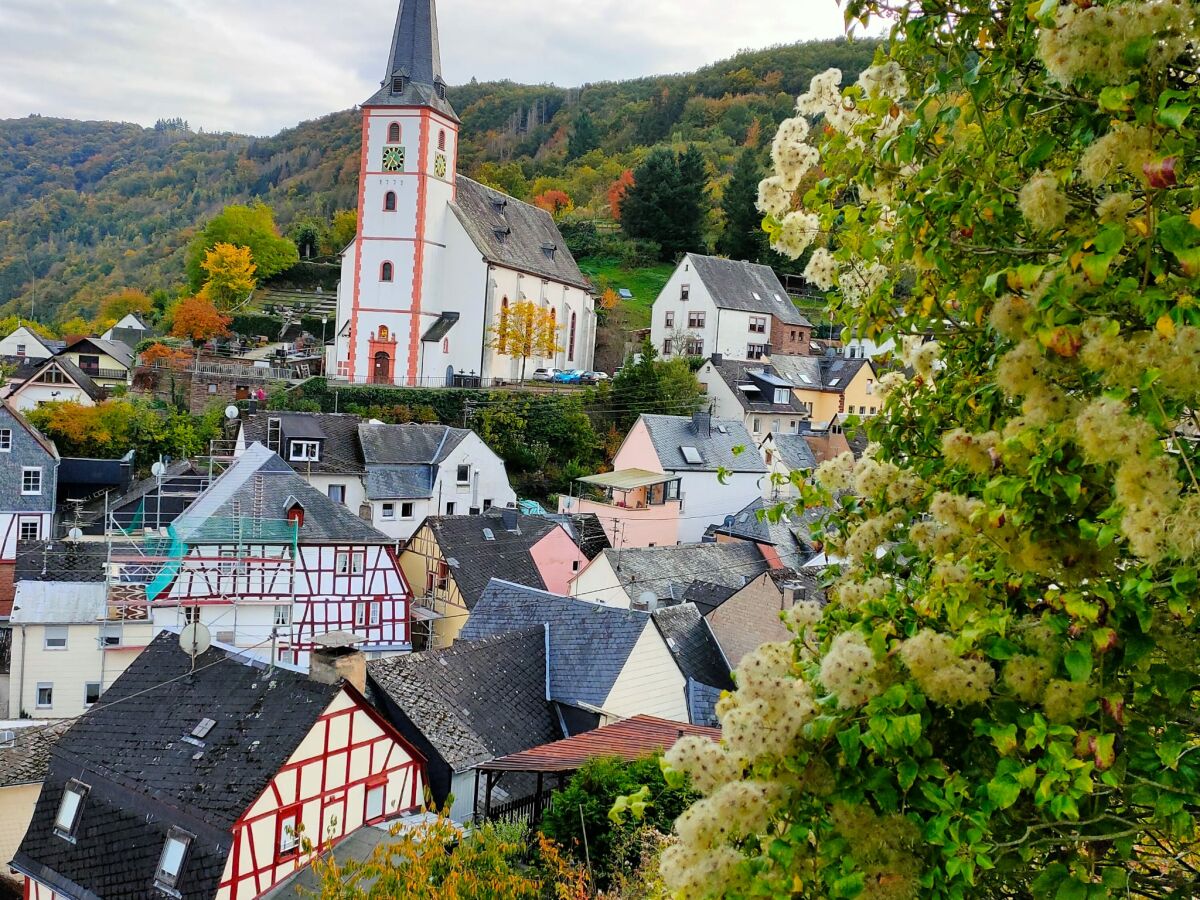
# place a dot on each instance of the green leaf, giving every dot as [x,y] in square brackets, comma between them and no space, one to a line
[1078,661]
[851,743]
[1118,97]
[906,773]
[906,729]
[1174,115]
[1003,792]
[1137,52]
[1039,152]
[1005,738]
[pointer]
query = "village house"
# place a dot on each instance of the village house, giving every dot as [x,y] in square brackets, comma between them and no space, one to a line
[24,760]
[733,308]
[466,704]
[55,380]
[829,386]
[130,330]
[754,393]
[626,578]
[780,535]
[450,560]
[107,363]
[605,662]
[200,777]
[440,260]
[785,454]
[750,616]
[29,464]
[23,344]
[672,476]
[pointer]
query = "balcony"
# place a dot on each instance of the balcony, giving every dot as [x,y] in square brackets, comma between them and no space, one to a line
[636,508]
[97,374]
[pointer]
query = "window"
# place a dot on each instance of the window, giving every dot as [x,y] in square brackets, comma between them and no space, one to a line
[52,376]
[174,855]
[20,350]
[91,693]
[696,320]
[54,637]
[442,139]
[5,440]
[110,634]
[464,474]
[574,565]
[684,291]
[862,410]
[337,493]
[31,529]
[695,347]
[70,808]
[384,334]
[349,563]
[449,509]
[45,694]
[191,615]
[872,410]
[387,511]
[756,426]
[374,807]
[375,613]
[399,82]
[571,339]
[443,575]
[394,133]
[670,321]
[781,395]
[386,271]
[304,451]
[757,351]
[475,511]
[870,386]
[31,480]
[389,201]
[758,324]
[283,615]
[487,504]
[360,614]
[666,347]
[502,337]
[212,388]
[406,510]
[775,426]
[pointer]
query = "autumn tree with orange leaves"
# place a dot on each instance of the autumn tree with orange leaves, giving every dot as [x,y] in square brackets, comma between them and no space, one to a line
[198,320]
[617,192]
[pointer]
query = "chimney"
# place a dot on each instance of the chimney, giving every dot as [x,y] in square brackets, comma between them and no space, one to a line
[508,516]
[702,422]
[337,658]
[718,358]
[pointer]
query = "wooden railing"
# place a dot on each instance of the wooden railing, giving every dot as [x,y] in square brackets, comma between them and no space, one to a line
[525,809]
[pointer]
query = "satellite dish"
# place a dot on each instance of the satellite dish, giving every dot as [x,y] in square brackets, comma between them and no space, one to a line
[158,469]
[195,639]
[648,600]
[231,411]
[75,534]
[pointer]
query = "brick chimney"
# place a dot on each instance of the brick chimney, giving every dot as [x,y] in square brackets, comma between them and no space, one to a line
[336,658]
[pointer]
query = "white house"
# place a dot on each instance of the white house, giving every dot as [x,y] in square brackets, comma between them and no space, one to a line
[57,380]
[23,343]
[753,392]
[736,309]
[131,329]
[438,258]
[785,454]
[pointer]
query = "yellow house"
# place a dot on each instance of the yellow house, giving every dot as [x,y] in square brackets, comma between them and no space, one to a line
[830,386]
[107,363]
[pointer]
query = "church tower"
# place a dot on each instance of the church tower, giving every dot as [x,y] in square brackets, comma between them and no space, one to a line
[406,185]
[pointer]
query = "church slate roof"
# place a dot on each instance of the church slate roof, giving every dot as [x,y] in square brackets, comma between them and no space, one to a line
[474,560]
[416,55]
[669,433]
[145,778]
[733,284]
[515,235]
[474,700]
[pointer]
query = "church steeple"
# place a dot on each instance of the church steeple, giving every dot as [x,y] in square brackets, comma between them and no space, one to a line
[414,68]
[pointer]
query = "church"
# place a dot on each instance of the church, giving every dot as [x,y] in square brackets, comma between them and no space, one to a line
[439,259]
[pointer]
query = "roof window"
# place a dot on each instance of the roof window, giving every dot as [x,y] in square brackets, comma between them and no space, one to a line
[399,83]
[488,534]
[203,728]
[834,381]
[691,455]
[69,809]
[171,862]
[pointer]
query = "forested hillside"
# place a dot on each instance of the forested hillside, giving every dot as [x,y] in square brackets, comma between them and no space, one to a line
[88,208]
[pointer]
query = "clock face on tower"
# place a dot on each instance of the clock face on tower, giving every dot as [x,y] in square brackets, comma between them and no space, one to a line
[439,165]
[393,159]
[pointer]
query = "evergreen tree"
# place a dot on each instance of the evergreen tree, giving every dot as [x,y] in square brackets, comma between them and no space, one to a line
[585,136]
[692,201]
[667,202]
[743,237]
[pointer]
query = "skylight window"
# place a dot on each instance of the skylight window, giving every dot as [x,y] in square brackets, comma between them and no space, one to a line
[202,729]
[691,456]
[69,809]
[755,295]
[170,864]
[488,534]
[722,429]
[834,381]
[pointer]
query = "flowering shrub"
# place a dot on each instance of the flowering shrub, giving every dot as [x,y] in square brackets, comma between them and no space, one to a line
[999,699]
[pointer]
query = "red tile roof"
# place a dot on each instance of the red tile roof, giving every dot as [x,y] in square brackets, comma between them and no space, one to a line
[628,739]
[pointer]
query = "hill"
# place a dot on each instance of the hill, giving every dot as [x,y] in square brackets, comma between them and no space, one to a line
[87,208]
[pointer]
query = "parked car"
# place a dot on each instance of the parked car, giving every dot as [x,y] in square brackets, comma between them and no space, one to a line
[569,376]
[545,374]
[594,377]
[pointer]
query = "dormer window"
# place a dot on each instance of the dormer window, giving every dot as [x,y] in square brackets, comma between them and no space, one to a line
[439,88]
[781,395]
[295,514]
[549,249]
[69,809]
[171,862]
[399,83]
[304,451]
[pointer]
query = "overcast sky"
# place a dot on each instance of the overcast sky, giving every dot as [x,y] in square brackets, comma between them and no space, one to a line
[257,66]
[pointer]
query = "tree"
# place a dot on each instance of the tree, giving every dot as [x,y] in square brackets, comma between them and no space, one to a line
[9,324]
[616,193]
[342,231]
[243,226]
[308,234]
[553,201]
[999,700]
[76,326]
[198,320]
[524,330]
[585,136]
[229,275]
[667,202]
[115,307]
[743,237]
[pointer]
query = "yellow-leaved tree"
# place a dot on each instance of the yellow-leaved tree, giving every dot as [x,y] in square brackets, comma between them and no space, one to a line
[229,275]
[524,330]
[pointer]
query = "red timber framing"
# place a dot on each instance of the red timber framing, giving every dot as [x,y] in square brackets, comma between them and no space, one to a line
[350,751]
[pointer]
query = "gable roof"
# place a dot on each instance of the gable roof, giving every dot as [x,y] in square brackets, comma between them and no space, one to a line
[692,644]
[145,777]
[340,453]
[589,642]
[753,385]
[116,349]
[473,559]
[44,343]
[661,569]
[260,485]
[72,372]
[474,700]
[734,284]
[753,522]
[44,442]
[514,234]
[585,529]
[409,444]
[794,450]
[716,448]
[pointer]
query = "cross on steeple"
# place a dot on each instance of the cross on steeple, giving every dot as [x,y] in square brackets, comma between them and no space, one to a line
[414,68]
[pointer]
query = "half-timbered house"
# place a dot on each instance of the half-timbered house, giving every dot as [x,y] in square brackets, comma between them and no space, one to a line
[203,778]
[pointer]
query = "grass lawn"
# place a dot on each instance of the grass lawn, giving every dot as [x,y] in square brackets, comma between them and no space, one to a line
[644,283]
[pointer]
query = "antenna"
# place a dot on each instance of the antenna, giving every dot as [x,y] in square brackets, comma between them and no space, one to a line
[194,639]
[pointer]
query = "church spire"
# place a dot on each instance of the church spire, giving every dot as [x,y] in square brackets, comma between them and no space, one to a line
[414,68]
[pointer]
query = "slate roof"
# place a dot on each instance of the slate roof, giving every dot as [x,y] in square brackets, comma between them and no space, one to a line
[238,492]
[116,349]
[762,378]
[692,644]
[752,523]
[27,760]
[63,561]
[416,54]
[145,778]
[586,530]
[514,234]
[474,700]
[589,642]
[393,445]
[474,560]
[340,453]
[75,374]
[659,569]
[734,283]
[840,369]
[707,596]
[669,433]
[794,450]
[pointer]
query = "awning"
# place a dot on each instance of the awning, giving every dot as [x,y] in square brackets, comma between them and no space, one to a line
[627,479]
[439,329]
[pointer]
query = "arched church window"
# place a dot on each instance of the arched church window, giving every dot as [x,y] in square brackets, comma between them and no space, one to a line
[571,341]
[502,342]
[386,271]
[394,133]
[389,201]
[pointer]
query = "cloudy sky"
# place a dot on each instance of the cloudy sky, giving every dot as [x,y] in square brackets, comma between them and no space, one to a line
[257,66]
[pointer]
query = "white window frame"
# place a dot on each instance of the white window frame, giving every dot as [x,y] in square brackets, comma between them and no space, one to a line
[283,615]
[5,440]
[66,828]
[450,508]
[37,529]
[373,790]
[410,507]
[37,695]
[337,487]
[375,613]
[304,451]
[22,349]
[387,511]
[341,562]
[99,690]
[61,632]
[169,877]
[31,470]
[360,613]
[458,474]
[781,395]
